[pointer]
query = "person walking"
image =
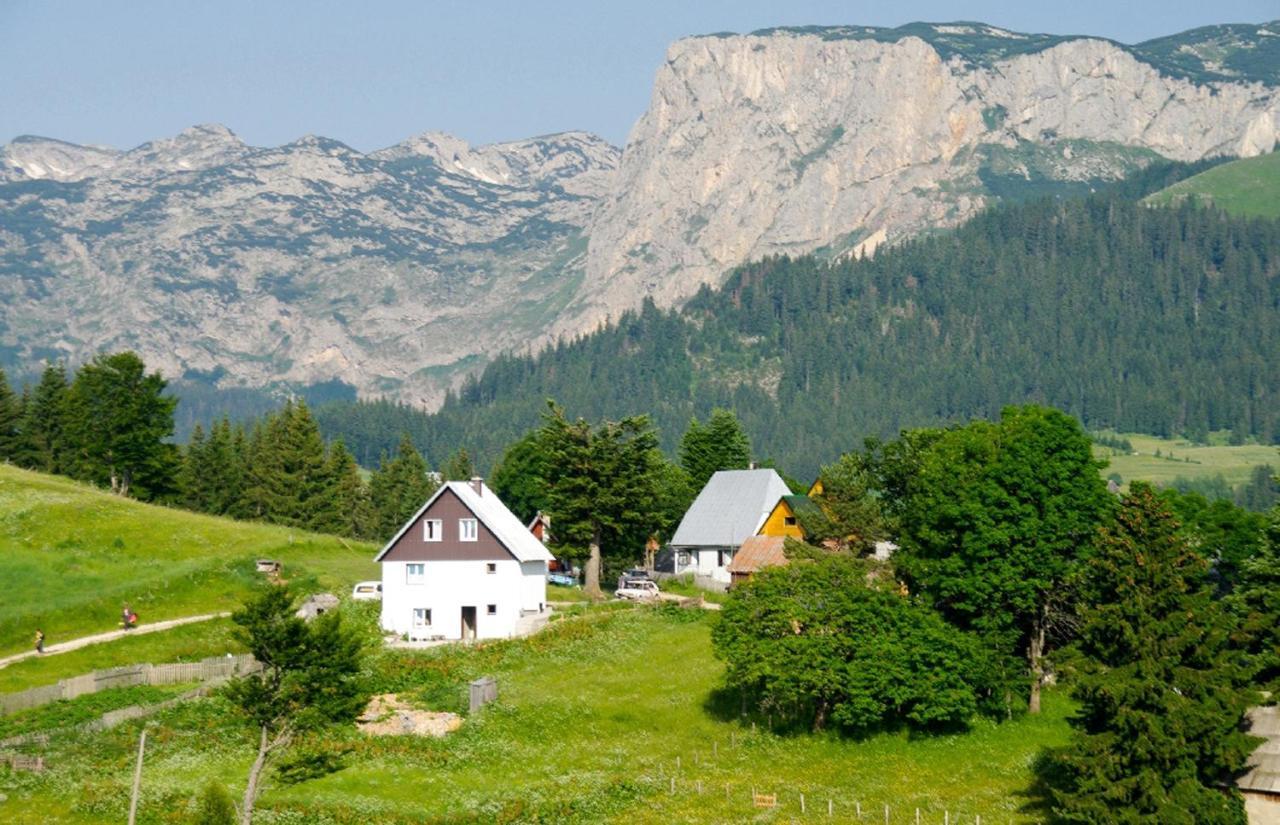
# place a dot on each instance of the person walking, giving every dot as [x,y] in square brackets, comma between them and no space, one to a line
[124,617]
[39,640]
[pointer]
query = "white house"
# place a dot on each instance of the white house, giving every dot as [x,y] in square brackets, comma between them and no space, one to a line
[463,567]
[730,509]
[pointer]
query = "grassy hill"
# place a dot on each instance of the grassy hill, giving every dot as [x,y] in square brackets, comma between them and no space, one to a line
[72,555]
[1249,187]
[595,717]
[1179,458]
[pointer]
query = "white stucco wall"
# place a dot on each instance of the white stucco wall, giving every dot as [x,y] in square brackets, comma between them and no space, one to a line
[704,561]
[448,586]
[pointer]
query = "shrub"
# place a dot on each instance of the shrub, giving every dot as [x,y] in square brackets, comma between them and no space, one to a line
[215,806]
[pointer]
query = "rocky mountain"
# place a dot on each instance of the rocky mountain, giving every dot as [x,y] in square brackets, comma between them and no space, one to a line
[401,270]
[390,271]
[839,139]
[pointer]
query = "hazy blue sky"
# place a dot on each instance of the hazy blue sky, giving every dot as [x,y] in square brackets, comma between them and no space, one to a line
[119,72]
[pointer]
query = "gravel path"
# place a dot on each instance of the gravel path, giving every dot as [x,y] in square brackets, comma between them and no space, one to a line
[110,636]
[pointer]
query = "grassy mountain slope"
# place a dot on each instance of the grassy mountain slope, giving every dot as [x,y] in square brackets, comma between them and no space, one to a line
[71,555]
[1250,187]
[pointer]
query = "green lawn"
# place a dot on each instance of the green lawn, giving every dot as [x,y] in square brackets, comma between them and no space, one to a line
[188,643]
[71,555]
[1179,457]
[595,717]
[1242,187]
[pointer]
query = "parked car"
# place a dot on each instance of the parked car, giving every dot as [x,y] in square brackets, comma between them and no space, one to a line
[562,579]
[367,591]
[638,590]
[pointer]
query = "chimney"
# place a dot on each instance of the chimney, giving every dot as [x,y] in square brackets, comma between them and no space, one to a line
[751,465]
[477,484]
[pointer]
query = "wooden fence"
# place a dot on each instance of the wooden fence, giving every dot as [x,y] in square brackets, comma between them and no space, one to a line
[176,673]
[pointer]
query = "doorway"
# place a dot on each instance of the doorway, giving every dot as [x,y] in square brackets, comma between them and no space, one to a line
[468,623]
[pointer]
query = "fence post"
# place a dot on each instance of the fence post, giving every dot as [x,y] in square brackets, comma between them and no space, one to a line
[801,803]
[137,778]
[886,815]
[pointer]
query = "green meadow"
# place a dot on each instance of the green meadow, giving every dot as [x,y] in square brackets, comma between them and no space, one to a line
[609,716]
[1242,187]
[71,556]
[1181,458]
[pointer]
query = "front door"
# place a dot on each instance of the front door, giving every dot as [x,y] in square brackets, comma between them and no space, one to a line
[468,623]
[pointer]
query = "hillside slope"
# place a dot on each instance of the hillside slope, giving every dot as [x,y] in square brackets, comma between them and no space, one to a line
[1250,186]
[1146,320]
[72,555]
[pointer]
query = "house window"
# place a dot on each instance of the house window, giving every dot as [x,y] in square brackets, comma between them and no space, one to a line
[493,610]
[432,530]
[422,617]
[491,567]
[790,521]
[415,573]
[466,529]
[685,558]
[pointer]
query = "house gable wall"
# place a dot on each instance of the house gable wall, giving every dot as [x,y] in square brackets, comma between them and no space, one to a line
[449,509]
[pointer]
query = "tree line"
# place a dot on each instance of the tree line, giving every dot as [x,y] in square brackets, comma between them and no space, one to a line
[1131,318]
[1157,609]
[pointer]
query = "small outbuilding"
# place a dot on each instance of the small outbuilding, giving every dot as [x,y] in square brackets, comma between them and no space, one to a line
[755,554]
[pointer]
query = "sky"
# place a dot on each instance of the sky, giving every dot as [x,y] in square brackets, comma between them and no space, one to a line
[372,73]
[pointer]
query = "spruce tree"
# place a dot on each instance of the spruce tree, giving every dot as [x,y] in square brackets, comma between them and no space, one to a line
[1158,737]
[720,444]
[193,476]
[1257,602]
[10,417]
[43,444]
[398,488]
[459,467]
[224,464]
[351,514]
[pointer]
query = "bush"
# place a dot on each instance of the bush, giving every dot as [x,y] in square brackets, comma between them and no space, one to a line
[215,806]
[816,642]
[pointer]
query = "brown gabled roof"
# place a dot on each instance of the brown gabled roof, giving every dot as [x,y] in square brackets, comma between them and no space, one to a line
[758,552]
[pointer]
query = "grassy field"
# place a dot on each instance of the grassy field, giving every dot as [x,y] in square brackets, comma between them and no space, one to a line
[1242,187]
[1179,457]
[71,555]
[596,716]
[189,643]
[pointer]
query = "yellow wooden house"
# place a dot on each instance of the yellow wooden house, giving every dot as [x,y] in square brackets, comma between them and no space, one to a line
[782,521]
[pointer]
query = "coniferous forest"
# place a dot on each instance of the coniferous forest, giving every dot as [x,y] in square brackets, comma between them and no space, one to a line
[1164,321]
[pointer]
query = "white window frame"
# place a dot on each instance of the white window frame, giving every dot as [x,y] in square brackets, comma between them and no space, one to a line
[425,612]
[412,577]
[432,529]
[463,524]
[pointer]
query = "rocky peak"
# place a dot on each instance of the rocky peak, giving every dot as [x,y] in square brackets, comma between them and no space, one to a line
[37,158]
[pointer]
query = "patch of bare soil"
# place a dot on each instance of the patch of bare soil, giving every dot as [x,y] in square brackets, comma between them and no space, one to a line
[387,715]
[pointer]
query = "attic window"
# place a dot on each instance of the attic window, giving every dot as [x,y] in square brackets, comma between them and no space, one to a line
[466,529]
[432,530]
[790,521]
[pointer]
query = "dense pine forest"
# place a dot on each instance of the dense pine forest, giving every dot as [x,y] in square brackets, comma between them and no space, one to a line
[1163,321]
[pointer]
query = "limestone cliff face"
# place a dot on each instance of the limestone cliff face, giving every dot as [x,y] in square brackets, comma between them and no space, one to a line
[791,142]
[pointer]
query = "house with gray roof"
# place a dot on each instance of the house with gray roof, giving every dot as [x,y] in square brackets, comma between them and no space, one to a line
[1261,785]
[729,510]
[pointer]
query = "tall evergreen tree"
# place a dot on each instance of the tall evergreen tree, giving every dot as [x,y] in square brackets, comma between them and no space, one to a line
[459,467]
[1257,601]
[10,419]
[352,513]
[42,444]
[720,444]
[397,489]
[520,479]
[225,467]
[1158,737]
[118,420]
[194,482]
[602,484]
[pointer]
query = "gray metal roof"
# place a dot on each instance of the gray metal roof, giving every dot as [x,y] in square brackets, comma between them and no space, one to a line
[730,509]
[1264,764]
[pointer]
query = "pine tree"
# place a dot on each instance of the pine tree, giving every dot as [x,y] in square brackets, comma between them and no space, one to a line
[10,419]
[1158,736]
[459,466]
[398,488]
[720,444]
[42,444]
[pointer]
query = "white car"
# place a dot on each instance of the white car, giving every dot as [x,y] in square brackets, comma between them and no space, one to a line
[367,592]
[637,589]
